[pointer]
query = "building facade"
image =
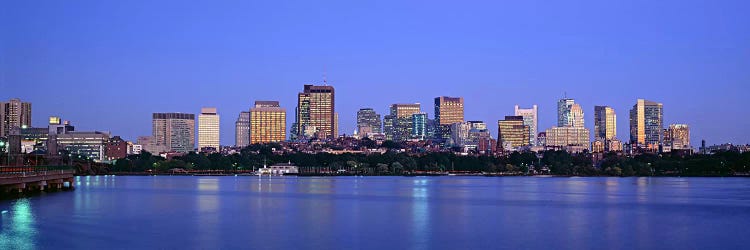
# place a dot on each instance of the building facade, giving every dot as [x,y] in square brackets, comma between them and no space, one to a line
[115,148]
[605,123]
[419,126]
[646,124]
[460,134]
[242,130]
[91,145]
[512,133]
[530,119]
[448,110]
[567,136]
[267,122]
[403,124]
[368,121]
[564,112]
[174,131]
[208,130]
[677,137]
[315,116]
[14,114]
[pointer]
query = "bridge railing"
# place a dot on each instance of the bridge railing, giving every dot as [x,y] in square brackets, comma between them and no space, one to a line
[35,170]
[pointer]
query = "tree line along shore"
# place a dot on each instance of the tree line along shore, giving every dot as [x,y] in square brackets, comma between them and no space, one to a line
[551,162]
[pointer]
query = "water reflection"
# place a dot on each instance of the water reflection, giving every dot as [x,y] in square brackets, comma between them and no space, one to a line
[420,212]
[18,224]
[381,213]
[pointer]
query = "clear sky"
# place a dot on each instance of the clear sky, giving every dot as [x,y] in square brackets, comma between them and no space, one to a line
[107,65]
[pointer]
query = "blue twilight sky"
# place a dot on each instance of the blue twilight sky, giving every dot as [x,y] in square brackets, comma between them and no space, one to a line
[107,65]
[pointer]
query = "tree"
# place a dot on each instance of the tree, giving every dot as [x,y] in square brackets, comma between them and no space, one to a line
[396,167]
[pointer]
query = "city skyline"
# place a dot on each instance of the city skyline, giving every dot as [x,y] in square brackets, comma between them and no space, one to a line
[494,66]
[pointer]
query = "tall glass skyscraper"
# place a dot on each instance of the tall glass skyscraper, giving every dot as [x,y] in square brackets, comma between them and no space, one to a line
[605,123]
[242,130]
[646,124]
[569,113]
[563,112]
[403,123]
[419,126]
[529,119]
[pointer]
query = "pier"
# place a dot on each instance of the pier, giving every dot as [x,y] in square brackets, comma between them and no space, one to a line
[20,180]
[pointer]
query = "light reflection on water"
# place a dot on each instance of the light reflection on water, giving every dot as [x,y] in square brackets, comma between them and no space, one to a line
[18,230]
[381,213]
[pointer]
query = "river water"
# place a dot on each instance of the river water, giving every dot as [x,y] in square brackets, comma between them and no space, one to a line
[181,212]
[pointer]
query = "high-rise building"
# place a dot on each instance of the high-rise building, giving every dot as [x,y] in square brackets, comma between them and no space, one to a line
[677,136]
[460,134]
[242,130]
[646,126]
[576,116]
[431,129]
[419,126]
[605,123]
[267,122]
[479,137]
[403,122]
[563,112]
[448,110]
[208,130]
[174,131]
[315,112]
[529,119]
[14,114]
[389,127]
[335,124]
[512,133]
[368,121]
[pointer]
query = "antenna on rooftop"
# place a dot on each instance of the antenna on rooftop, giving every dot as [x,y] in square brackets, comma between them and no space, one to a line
[325,79]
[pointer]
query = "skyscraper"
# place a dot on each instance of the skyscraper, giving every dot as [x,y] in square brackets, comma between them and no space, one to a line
[403,123]
[267,122]
[316,112]
[208,130]
[368,121]
[605,123]
[512,133]
[14,114]
[174,131]
[242,130]
[576,116]
[646,126]
[529,119]
[389,127]
[448,110]
[563,112]
[419,126]
[460,134]
[677,136]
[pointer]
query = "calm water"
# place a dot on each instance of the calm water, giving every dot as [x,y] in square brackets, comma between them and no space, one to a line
[383,213]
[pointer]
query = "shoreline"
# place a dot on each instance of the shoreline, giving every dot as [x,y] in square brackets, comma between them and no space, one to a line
[411,175]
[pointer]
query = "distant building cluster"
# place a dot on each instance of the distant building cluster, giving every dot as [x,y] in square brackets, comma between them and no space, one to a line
[316,123]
